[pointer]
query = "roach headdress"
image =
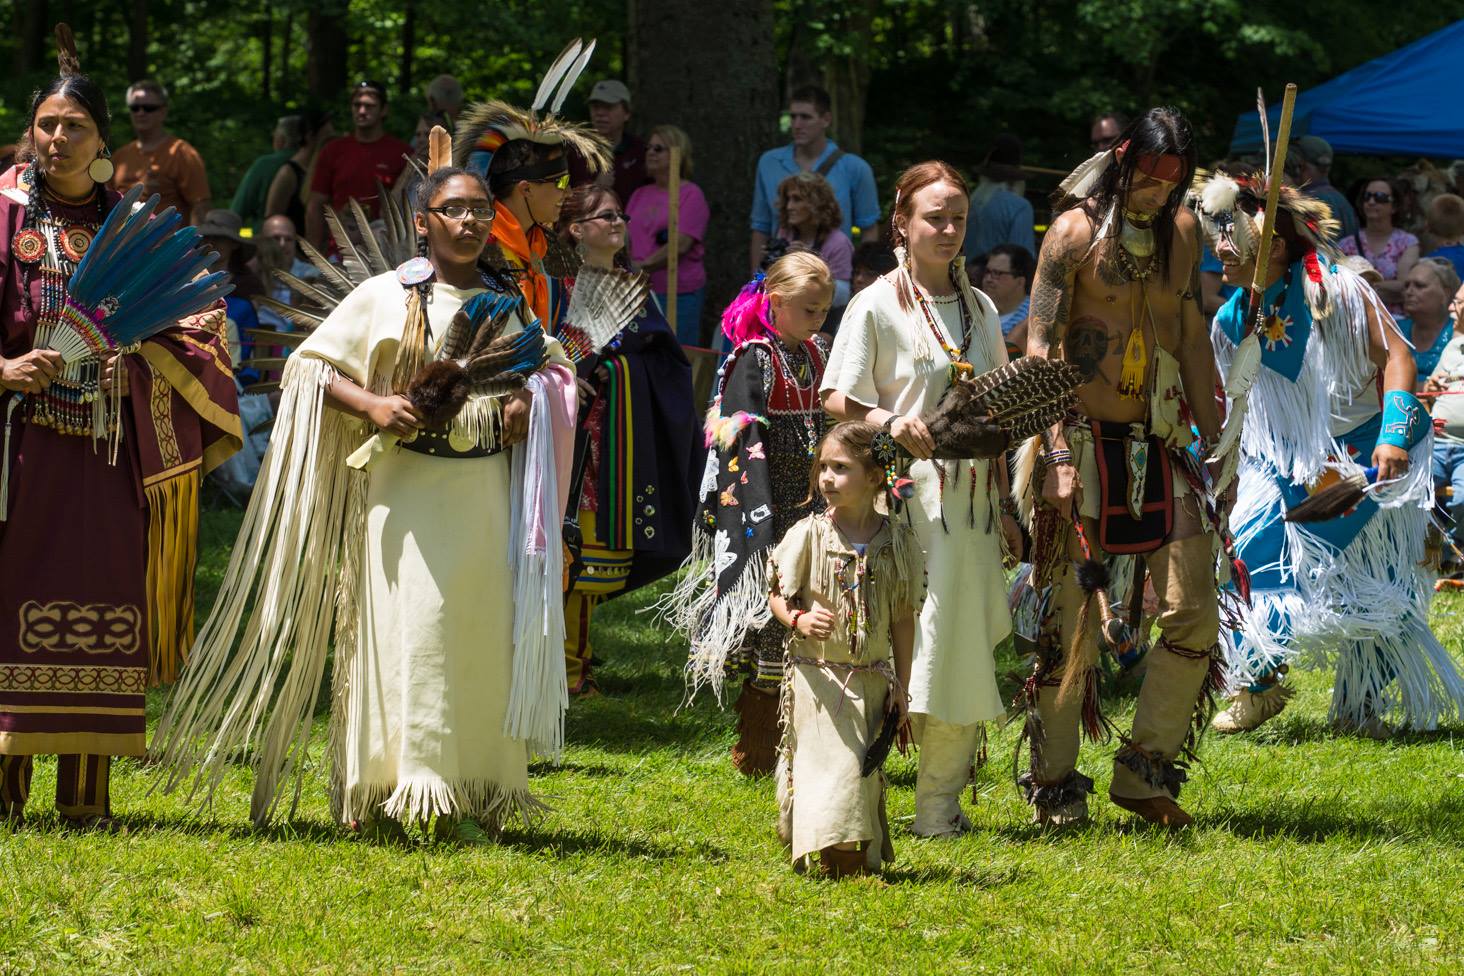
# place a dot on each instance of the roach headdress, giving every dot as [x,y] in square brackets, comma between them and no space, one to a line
[486,127]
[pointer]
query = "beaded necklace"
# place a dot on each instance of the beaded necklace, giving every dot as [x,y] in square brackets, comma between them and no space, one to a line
[803,396]
[960,359]
[73,404]
[853,588]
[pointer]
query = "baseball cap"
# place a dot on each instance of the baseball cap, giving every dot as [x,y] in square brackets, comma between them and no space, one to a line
[1315,150]
[610,91]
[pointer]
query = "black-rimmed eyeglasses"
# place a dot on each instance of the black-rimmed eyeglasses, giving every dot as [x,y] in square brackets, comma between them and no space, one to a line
[456,211]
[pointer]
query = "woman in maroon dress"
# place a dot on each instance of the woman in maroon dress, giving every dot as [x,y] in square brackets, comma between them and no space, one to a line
[98,483]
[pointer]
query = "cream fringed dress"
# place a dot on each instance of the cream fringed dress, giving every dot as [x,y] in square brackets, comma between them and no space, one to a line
[885,357]
[834,690]
[409,559]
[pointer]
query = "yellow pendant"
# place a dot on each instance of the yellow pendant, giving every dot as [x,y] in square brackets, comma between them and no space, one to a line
[1135,366]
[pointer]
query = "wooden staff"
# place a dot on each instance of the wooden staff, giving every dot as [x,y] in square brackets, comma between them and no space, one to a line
[1273,197]
[673,235]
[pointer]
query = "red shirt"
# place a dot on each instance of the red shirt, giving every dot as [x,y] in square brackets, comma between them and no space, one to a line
[347,168]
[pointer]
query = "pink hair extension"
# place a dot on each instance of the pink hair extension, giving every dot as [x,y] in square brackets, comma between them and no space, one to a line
[746,317]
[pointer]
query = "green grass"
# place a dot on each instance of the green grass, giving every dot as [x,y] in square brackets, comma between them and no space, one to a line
[1312,854]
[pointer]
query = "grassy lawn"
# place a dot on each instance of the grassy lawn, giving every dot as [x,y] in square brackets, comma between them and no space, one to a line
[1311,854]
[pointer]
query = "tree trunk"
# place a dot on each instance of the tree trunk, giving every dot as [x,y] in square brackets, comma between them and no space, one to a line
[137,40]
[409,44]
[286,43]
[33,29]
[729,113]
[325,70]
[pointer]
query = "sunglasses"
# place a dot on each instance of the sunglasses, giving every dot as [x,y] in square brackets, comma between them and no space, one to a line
[143,107]
[560,182]
[653,148]
[457,211]
[1376,197]
[609,216]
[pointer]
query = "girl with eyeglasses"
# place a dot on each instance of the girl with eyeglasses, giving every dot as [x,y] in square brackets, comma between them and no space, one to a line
[1392,250]
[649,210]
[636,449]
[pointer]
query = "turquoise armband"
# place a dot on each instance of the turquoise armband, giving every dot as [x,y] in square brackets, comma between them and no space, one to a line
[1405,420]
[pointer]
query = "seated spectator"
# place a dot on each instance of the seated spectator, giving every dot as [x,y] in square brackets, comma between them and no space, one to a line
[279,250]
[810,113]
[647,214]
[350,167]
[1104,132]
[252,195]
[999,213]
[1446,385]
[1392,251]
[290,186]
[809,219]
[445,98]
[1314,155]
[1428,292]
[1007,279]
[609,103]
[871,259]
[163,163]
[220,231]
[1446,225]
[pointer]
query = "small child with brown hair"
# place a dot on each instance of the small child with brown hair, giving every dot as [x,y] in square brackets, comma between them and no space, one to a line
[761,433]
[848,583]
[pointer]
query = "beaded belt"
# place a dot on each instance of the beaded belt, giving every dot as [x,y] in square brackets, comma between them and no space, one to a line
[437,444]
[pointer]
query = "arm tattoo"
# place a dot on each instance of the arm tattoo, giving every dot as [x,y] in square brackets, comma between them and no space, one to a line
[1052,296]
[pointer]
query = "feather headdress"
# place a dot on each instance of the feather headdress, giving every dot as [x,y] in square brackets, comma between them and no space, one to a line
[1230,206]
[486,127]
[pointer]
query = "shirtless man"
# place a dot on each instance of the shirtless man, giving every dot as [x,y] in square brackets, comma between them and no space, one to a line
[1115,293]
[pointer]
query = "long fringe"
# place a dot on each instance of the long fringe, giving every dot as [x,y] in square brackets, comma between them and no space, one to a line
[721,624]
[172,557]
[539,696]
[257,665]
[418,800]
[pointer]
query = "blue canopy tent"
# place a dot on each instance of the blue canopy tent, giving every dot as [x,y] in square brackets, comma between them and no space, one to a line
[1403,104]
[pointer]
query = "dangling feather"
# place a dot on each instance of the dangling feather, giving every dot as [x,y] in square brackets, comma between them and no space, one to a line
[1081,182]
[398,239]
[68,64]
[1335,499]
[1265,132]
[557,70]
[357,268]
[601,304]
[439,149]
[140,275]
[982,416]
[571,76]
[375,259]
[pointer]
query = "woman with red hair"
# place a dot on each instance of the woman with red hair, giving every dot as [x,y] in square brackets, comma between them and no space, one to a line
[900,344]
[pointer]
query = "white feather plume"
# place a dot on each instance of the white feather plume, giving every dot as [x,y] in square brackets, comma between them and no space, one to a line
[1081,182]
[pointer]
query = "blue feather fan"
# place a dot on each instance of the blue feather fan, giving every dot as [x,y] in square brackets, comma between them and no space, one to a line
[141,274]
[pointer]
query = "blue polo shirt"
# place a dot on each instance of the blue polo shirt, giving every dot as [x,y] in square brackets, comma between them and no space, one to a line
[851,178]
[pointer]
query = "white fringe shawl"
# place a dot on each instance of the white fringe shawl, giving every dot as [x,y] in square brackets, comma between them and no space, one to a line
[1290,423]
[250,687]
[539,696]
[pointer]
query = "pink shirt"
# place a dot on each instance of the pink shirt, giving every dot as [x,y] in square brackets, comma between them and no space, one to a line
[837,251]
[647,208]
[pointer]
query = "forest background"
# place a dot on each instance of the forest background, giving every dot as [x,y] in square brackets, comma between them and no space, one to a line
[911,79]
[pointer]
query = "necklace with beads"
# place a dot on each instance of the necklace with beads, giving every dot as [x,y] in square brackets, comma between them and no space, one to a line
[960,364]
[804,396]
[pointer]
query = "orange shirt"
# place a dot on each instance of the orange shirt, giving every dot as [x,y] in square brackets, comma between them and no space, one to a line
[174,171]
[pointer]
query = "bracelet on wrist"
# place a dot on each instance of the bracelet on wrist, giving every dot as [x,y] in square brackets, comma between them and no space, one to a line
[1057,457]
[793,624]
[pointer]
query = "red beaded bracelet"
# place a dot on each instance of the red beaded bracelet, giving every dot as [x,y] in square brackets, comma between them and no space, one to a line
[793,624]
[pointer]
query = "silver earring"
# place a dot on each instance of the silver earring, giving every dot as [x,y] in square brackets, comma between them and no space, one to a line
[101,169]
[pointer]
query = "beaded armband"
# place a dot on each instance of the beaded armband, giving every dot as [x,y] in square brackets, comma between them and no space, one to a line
[1405,420]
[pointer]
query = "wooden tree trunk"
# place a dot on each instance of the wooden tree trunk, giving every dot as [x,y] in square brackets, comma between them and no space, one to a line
[266,64]
[730,112]
[325,71]
[137,24]
[33,30]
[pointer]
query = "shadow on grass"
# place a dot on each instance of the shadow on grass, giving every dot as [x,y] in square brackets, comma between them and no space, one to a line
[986,880]
[1321,819]
[1299,729]
[579,841]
